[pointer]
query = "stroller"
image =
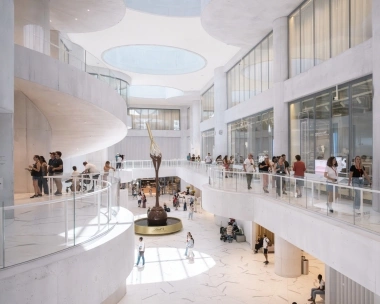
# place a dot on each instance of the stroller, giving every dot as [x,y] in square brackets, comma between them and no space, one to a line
[223,235]
[79,185]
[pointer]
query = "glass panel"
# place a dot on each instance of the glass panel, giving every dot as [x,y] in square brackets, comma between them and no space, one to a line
[264,65]
[361,21]
[208,143]
[258,69]
[307,37]
[245,77]
[295,135]
[294,44]
[160,120]
[341,124]
[168,120]
[322,30]
[270,61]
[339,26]
[236,86]
[175,118]
[229,88]
[144,118]
[136,118]
[153,119]
[307,133]
[362,117]
[252,83]
[322,126]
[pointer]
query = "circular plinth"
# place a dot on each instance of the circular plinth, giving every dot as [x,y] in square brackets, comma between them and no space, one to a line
[173,225]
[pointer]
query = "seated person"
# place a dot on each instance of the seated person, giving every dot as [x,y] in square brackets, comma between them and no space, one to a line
[229,231]
[259,244]
[320,290]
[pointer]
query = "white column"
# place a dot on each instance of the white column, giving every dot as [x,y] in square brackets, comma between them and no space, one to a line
[220,106]
[287,259]
[6,101]
[195,126]
[32,24]
[376,100]
[280,74]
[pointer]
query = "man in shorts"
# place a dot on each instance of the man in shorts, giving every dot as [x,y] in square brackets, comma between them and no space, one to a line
[266,243]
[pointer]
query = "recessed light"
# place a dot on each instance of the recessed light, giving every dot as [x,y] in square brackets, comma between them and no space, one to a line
[50,20]
[76,18]
[88,10]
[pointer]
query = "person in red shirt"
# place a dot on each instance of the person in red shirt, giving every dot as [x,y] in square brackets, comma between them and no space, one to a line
[299,169]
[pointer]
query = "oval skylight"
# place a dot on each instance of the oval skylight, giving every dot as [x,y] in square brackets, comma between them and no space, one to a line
[142,91]
[171,8]
[154,59]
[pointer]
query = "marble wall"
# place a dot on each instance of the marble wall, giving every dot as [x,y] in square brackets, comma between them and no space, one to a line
[32,135]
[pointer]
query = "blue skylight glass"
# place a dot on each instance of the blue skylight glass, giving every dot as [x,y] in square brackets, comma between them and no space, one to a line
[172,8]
[142,91]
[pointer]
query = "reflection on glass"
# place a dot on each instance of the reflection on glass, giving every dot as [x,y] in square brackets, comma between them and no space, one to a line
[253,134]
[159,119]
[307,37]
[207,100]
[295,44]
[337,123]
[361,21]
[208,140]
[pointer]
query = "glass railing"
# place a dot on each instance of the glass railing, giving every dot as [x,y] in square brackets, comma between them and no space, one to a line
[349,204]
[32,36]
[86,210]
[339,201]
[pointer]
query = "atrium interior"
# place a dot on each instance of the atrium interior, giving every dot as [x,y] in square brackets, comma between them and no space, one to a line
[251,123]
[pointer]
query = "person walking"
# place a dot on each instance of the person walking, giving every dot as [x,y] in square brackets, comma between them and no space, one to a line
[266,244]
[299,169]
[143,198]
[35,172]
[118,161]
[357,171]
[187,243]
[191,246]
[191,211]
[264,167]
[141,249]
[320,290]
[249,168]
[57,171]
[331,175]
[226,165]
[139,199]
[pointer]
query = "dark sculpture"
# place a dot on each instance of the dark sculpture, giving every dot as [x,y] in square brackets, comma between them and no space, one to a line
[157,215]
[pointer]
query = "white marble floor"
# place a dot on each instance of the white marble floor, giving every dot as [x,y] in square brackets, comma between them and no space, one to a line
[220,273]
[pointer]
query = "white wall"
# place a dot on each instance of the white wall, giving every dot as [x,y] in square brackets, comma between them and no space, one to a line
[32,136]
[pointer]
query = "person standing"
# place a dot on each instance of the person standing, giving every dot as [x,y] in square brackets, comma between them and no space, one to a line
[208,159]
[35,172]
[320,290]
[226,165]
[43,180]
[264,168]
[187,242]
[139,199]
[191,211]
[143,198]
[107,167]
[249,168]
[266,244]
[331,175]
[118,161]
[299,169]
[141,249]
[188,157]
[57,171]
[50,169]
[280,172]
[357,171]
[190,246]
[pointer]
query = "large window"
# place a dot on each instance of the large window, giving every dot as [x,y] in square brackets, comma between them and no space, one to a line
[253,134]
[208,104]
[188,116]
[336,122]
[208,142]
[253,74]
[159,119]
[321,29]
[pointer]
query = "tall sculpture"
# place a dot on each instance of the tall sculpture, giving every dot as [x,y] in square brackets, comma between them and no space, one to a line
[157,216]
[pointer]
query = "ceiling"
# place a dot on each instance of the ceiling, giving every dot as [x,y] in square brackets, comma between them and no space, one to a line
[139,28]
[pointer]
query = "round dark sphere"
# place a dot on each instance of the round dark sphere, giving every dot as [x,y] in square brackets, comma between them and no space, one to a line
[157,217]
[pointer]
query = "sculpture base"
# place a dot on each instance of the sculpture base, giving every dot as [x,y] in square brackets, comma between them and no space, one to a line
[173,225]
[157,216]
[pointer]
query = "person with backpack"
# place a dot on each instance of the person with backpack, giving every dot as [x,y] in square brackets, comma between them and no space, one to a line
[266,243]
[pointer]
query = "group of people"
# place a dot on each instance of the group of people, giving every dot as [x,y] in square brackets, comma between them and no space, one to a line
[193,158]
[176,203]
[40,169]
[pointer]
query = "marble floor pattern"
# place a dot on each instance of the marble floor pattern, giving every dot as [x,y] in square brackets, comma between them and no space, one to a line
[220,273]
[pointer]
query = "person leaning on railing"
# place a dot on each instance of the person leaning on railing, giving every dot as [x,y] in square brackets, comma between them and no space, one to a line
[357,172]
[264,167]
[249,168]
